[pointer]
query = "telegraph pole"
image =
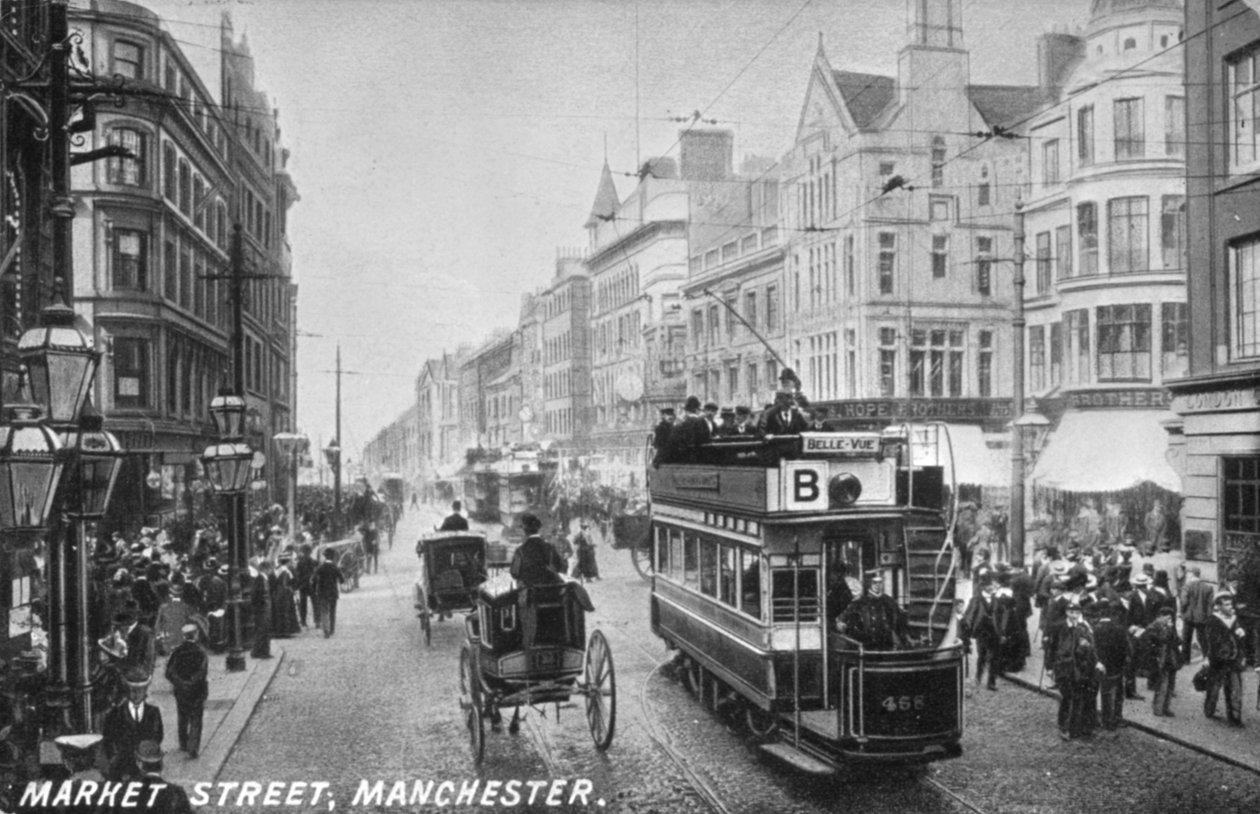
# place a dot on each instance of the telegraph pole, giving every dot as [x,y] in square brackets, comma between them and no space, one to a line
[337,440]
[1017,398]
[237,559]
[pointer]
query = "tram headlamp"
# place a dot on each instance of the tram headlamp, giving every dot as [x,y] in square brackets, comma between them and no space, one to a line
[844,489]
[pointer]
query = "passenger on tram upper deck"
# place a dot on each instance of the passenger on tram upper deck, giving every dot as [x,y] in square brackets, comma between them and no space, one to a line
[784,418]
[818,419]
[660,437]
[742,429]
[678,448]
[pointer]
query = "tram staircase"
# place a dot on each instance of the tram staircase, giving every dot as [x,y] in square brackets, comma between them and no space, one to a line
[932,584]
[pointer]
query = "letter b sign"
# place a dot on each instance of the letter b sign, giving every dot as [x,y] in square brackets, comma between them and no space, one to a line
[805,490]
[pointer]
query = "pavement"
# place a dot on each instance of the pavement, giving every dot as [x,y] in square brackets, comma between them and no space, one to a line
[1188,727]
[233,697]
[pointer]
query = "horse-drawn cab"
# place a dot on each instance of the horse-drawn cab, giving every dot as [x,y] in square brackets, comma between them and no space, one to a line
[452,567]
[528,646]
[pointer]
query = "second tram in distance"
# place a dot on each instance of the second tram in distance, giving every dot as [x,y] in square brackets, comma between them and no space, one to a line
[745,542]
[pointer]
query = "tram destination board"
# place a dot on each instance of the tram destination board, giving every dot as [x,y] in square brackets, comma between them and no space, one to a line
[911,703]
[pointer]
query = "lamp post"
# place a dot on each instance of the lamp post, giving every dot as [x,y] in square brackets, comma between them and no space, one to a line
[289,444]
[332,453]
[1017,396]
[227,465]
[95,460]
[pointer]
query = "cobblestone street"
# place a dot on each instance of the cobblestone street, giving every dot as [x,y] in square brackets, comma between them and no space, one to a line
[374,704]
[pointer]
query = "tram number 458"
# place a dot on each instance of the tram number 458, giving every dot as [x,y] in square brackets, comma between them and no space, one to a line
[903,703]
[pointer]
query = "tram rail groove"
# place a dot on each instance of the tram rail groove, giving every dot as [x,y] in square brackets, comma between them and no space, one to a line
[950,793]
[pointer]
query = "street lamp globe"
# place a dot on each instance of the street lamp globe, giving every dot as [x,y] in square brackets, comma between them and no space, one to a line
[228,465]
[31,461]
[228,412]
[96,460]
[61,363]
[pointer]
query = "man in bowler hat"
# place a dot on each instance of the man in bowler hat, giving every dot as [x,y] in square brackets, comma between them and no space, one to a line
[158,794]
[186,669]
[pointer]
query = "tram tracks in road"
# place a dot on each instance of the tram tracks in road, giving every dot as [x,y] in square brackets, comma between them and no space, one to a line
[941,788]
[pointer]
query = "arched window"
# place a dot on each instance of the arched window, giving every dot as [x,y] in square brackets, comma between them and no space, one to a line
[128,171]
[170,180]
[199,204]
[938,161]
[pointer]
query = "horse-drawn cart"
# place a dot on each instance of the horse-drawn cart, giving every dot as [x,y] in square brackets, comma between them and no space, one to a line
[452,566]
[528,646]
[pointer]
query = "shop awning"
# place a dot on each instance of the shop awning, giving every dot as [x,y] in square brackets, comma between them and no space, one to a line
[975,463]
[1106,451]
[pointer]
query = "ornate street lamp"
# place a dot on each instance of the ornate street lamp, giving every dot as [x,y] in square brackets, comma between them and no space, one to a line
[227,466]
[61,362]
[332,453]
[95,460]
[228,412]
[31,460]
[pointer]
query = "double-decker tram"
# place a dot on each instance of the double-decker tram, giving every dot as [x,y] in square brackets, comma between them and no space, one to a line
[750,542]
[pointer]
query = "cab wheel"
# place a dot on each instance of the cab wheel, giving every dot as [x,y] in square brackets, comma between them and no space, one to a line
[760,724]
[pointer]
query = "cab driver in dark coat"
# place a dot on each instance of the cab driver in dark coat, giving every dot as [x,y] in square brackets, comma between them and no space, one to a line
[535,562]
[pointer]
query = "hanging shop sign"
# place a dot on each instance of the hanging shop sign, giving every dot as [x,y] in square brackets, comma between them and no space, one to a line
[1240,398]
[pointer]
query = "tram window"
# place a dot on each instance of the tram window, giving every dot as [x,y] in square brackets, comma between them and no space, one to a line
[708,567]
[794,594]
[662,550]
[726,575]
[676,555]
[691,559]
[750,583]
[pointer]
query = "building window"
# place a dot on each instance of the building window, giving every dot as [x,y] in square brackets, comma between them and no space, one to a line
[1130,134]
[1085,136]
[1241,495]
[130,269]
[984,266]
[170,181]
[1087,238]
[940,255]
[1124,343]
[887,362]
[1056,353]
[1037,358]
[715,326]
[732,303]
[752,381]
[850,272]
[750,309]
[1050,162]
[1043,262]
[850,365]
[732,384]
[984,365]
[131,372]
[199,207]
[1174,125]
[1174,343]
[1172,229]
[1077,337]
[1244,289]
[887,261]
[1126,235]
[127,60]
[185,187]
[1244,90]
[938,162]
[772,308]
[1129,44]
[1063,252]
[983,190]
[887,168]
[129,171]
[939,208]
[697,331]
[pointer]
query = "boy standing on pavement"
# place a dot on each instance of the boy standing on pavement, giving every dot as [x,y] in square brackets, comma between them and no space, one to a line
[326,582]
[1165,657]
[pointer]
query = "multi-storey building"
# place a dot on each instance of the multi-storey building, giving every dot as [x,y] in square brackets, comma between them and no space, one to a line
[153,253]
[734,291]
[1106,247]
[484,391]
[1216,445]
[439,450]
[566,348]
[897,212]
[637,263]
[531,402]
[395,448]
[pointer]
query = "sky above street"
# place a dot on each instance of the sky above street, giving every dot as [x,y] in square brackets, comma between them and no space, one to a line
[445,149]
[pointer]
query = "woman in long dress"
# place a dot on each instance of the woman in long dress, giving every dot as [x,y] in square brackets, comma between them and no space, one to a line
[284,619]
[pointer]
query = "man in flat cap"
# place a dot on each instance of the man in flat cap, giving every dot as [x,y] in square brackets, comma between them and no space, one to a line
[875,619]
[744,429]
[186,669]
[130,722]
[166,797]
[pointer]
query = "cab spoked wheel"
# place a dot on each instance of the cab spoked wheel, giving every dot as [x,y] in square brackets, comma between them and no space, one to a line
[470,701]
[600,679]
[761,725]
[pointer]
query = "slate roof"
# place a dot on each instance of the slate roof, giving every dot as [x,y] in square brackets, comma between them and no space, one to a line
[865,94]
[1006,104]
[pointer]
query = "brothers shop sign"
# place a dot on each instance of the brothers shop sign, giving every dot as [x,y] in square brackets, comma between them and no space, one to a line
[918,409]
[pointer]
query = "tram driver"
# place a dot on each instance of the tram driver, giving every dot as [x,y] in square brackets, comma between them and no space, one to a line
[875,620]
